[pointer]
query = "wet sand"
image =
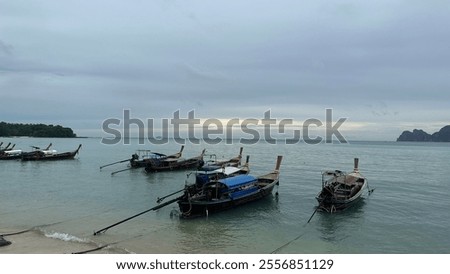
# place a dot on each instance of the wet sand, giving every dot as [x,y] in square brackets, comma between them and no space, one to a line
[35,242]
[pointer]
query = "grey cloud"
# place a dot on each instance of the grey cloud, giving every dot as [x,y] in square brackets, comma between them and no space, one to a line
[5,49]
[225,59]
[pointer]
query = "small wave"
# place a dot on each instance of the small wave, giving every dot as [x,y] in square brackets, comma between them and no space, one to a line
[65,237]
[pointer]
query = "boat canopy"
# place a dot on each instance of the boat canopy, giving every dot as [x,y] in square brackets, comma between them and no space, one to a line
[13,152]
[226,170]
[230,170]
[171,160]
[238,181]
[49,152]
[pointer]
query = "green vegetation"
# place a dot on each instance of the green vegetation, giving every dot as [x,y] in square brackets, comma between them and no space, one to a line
[35,130]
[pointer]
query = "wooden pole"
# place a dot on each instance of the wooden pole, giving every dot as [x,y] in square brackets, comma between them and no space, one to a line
[136,215]
[115,163]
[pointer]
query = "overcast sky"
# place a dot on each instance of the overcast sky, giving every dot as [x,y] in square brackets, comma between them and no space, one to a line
[384,65]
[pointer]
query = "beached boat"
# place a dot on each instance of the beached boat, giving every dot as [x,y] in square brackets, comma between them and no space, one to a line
[226,193]
[170,164]
[340,190]
[47,155]
[216,164]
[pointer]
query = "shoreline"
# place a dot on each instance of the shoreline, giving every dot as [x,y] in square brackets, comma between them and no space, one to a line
[37,242]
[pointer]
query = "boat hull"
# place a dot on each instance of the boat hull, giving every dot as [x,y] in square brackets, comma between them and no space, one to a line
[10,157]
[41,156]
[62,156]
[139,163]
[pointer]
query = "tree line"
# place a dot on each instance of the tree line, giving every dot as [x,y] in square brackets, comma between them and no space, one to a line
[35,130]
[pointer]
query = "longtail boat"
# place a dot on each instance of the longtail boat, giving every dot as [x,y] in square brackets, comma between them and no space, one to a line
[216,164]
[222,194]
[16,154]
[340,190]
[47,155]
[203,176]
[9,153]
[170,164]
[143,157]
[2,149]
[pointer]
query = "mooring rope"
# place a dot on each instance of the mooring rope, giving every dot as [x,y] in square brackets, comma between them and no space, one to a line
[290,242]
[17,233]
[28,230]
[106,245]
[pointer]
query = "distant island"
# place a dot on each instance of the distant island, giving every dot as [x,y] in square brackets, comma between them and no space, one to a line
[418,135]
[35,130]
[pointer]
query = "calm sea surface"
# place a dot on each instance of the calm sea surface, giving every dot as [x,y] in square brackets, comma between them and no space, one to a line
[409,211]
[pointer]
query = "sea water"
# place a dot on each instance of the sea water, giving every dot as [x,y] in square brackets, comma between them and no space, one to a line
[408,212]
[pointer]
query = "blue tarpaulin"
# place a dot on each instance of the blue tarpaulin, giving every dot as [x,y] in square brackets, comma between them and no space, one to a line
[238,181]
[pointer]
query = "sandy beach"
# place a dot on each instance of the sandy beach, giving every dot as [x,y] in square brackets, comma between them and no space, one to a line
[35,242]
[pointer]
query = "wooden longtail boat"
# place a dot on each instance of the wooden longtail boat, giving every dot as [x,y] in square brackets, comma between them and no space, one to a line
[204,176]
[48,155]
[4,148]
[11,154]
[216,164]
[223,194]
[340,190]
[170,164]
[16,154]
[143,157]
